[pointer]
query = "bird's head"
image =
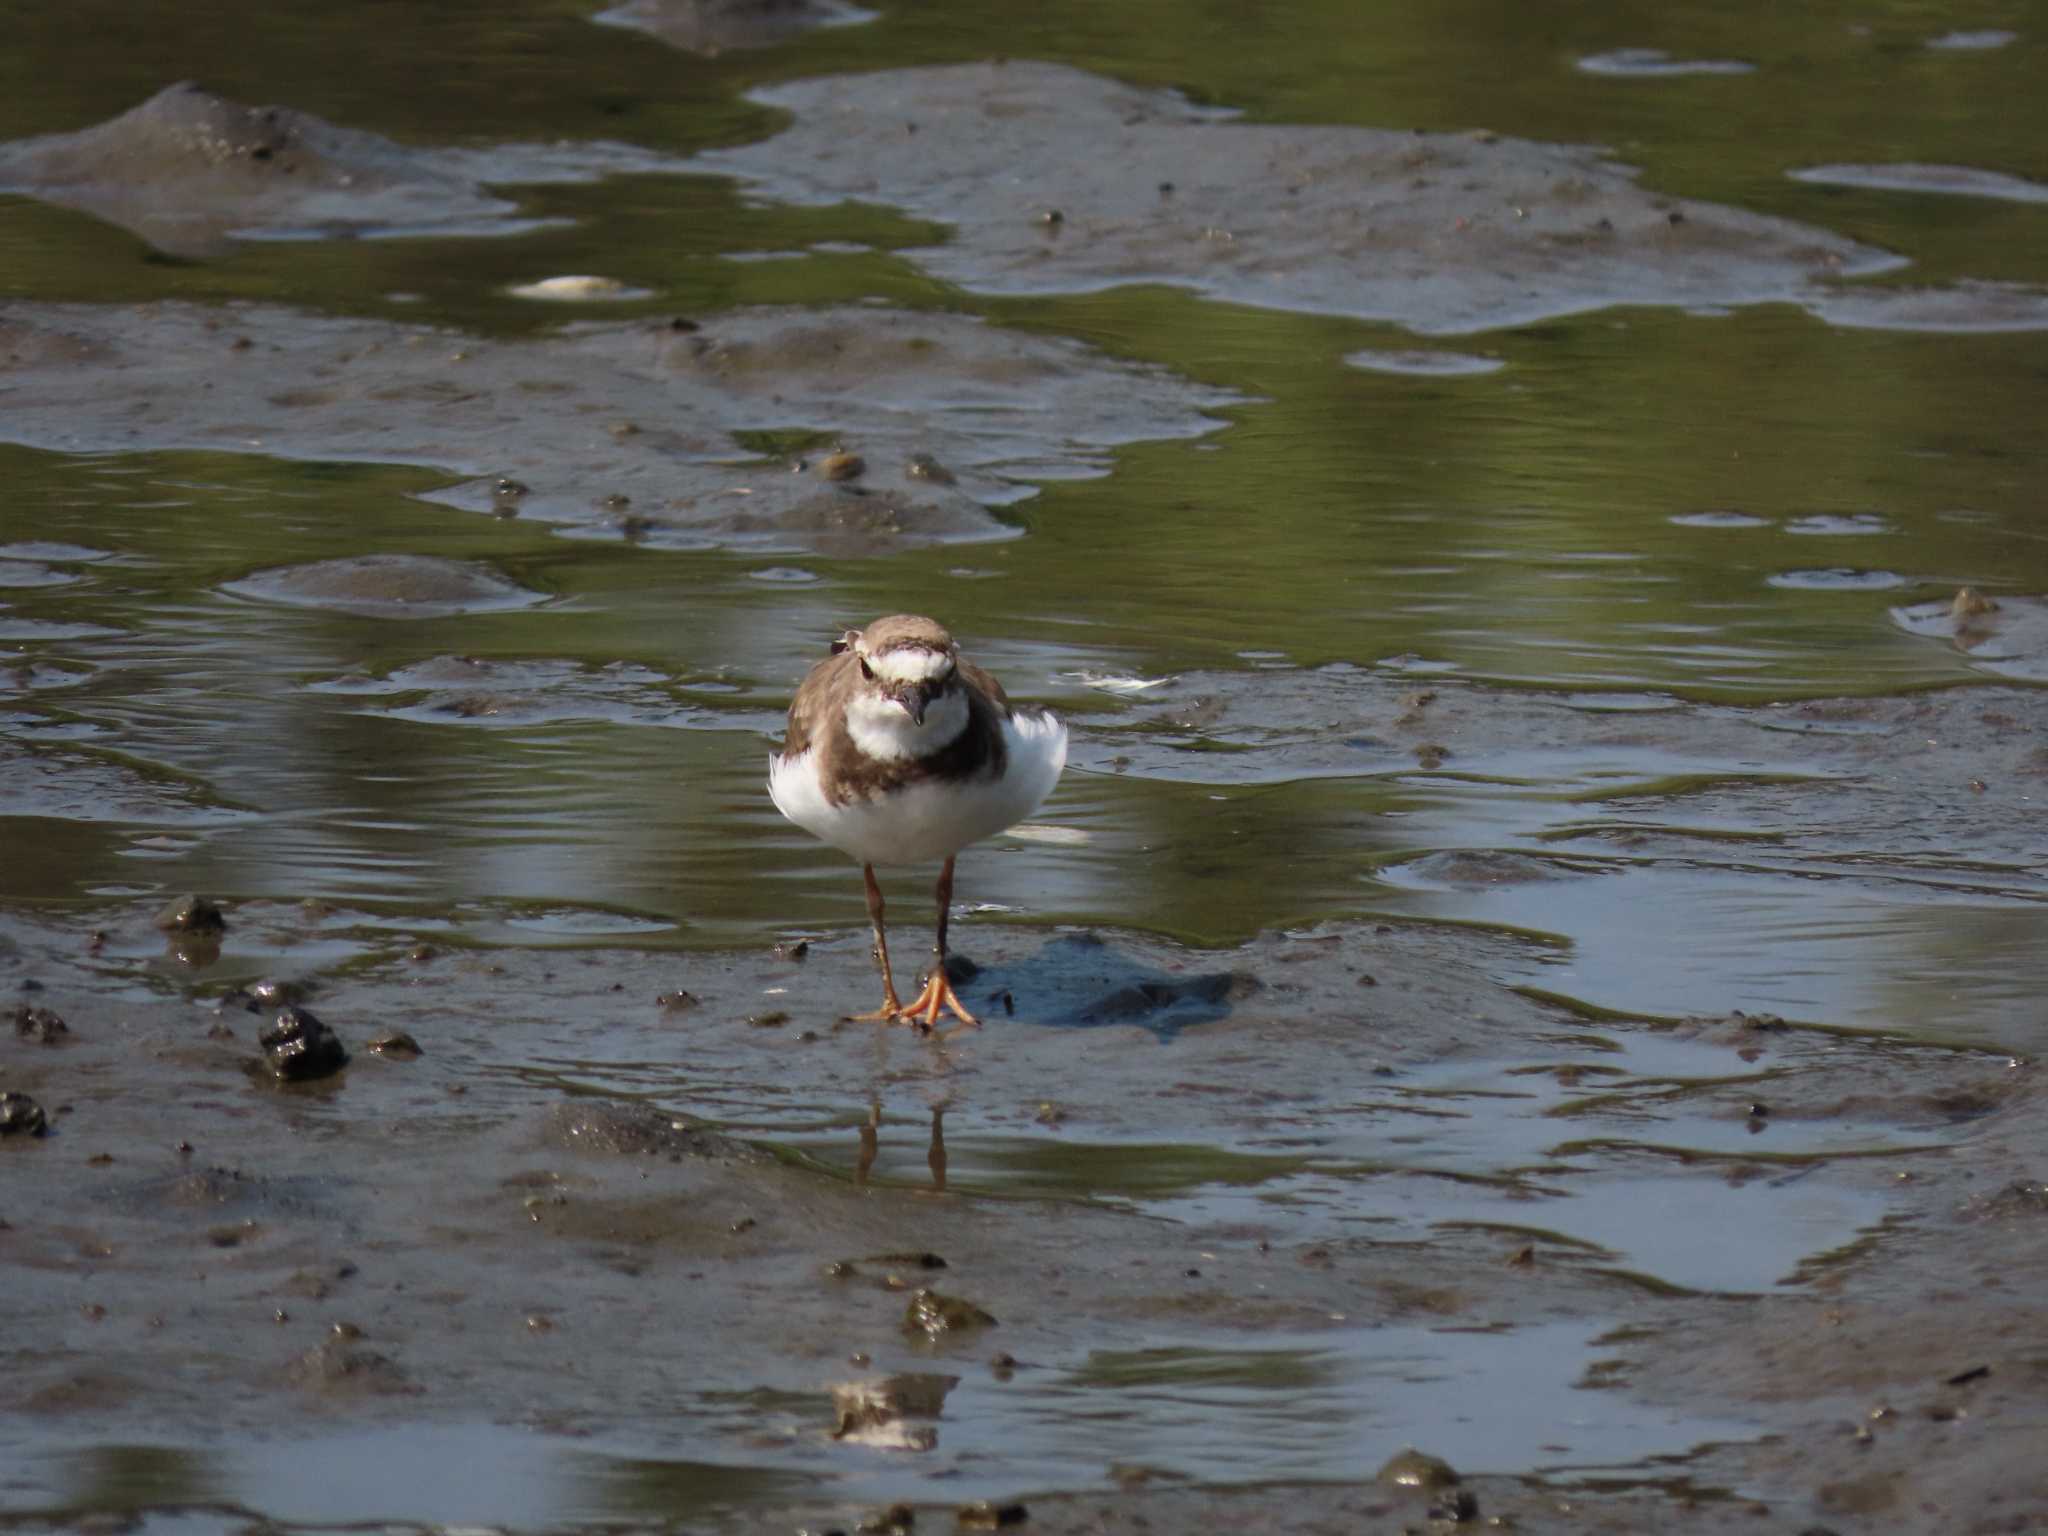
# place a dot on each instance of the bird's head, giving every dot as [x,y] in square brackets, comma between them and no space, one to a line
[906,661]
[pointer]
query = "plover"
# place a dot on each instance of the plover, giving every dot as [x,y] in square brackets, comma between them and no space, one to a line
[900,752]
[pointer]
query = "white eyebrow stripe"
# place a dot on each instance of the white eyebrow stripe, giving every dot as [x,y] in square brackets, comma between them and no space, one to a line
[911,666]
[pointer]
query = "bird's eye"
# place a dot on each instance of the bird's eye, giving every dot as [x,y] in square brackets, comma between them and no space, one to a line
[867,672]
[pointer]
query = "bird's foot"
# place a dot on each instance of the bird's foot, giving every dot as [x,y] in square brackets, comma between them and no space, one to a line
[937,997]
[890,1011]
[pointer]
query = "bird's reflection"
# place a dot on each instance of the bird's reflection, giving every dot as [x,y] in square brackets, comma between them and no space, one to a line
[871,1143]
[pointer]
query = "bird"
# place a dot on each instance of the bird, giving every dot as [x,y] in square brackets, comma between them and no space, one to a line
[900,751]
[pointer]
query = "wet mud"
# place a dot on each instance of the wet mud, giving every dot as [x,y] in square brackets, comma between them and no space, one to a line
[1236,1187]
[194,174]
[1583,1111]
[1058,181]
[639,431]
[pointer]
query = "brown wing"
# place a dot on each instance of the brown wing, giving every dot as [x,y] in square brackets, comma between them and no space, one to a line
[990,688]
[809,709]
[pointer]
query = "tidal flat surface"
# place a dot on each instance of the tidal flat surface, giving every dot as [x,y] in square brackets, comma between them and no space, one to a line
[1537,957]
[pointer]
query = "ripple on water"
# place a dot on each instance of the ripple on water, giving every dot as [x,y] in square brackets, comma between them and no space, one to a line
[1838,578]
[27,573]
[1719,518]
[584,923]
[470,690]
[52,553]
[388,587]
[1845,524]
[1423,362]
[1942,180]
[1621,703]
[1973,42]
[1655,63]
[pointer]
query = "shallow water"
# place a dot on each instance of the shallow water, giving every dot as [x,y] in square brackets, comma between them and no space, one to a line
[1640,539]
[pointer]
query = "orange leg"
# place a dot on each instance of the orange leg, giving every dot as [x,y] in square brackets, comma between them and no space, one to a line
[892,1007]
[938,994]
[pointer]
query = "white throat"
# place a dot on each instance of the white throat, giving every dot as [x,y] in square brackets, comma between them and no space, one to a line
[882,728]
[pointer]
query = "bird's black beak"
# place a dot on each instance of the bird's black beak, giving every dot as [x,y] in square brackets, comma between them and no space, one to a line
[914,698]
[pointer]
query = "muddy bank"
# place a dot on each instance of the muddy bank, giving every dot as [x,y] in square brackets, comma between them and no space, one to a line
[854,430]
[194,173]
[648,1223]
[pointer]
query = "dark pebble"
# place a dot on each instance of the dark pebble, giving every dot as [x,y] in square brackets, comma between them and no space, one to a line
[21,1115]
[934,1314]
[191,914]
[1456,1507]
[984,1515]
[39,1024]
[299,1047]
[396,1044]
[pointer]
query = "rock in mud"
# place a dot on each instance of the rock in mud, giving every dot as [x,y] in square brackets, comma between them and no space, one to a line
[299,1048]
[191,914]
[342,1367]
[874,1412]
[935,1315]
[987,1515]
[39,1024]
[1416,1469]
[397,1045]
[21,1115]
[640,1130]
[710,27]
[193,173]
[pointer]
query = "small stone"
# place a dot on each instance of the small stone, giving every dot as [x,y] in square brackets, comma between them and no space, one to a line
[299,1047]
[774,1018]
[1415,1469]
[923,466]
[1455,1506]
[677,1001]
[1969,603]
[39,1024]
[396,1044]
[21,1115]
[842,465]
[986,1515]
[191,914]
[934,1314]
[893,1521]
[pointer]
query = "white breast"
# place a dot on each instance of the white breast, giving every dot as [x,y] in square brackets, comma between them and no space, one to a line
[932,819]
